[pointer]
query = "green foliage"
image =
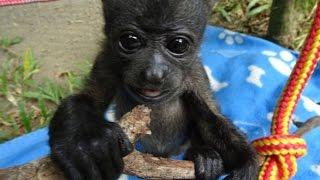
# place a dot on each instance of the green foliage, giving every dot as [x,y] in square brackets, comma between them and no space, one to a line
[49,91]
[30,66]
[7,42]
[247,16]
[45,113]
[230,9]
[305,5]
[254,8]
[26,104]
[25,117]
[252,17]
[4,78]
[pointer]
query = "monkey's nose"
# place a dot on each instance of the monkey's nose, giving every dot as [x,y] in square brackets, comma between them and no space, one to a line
[154,75]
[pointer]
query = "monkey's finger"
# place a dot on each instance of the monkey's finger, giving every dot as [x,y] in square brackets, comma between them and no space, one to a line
[108,168]
[124,144]
[87,166]
[215,168]
[200,167]
[106,152]
[116,159]
[68,166]
[209,171]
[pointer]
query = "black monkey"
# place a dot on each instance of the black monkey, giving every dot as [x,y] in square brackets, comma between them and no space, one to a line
[150,57]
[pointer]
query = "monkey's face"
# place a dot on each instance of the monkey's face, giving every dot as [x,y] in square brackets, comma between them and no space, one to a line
[155,42]
[154,68]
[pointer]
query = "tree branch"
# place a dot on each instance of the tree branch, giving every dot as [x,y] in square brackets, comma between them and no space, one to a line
[134,125]
[146,166]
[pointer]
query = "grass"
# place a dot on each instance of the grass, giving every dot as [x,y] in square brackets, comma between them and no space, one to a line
[252,17]
[27,105]
[245,16]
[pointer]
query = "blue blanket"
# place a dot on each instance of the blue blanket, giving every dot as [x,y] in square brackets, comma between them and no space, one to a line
[247,75]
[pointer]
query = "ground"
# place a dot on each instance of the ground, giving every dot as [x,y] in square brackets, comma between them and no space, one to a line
[61,33]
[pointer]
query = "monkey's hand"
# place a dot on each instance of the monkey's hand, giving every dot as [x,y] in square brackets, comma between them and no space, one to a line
[84,146]
[211,129]
[208,163]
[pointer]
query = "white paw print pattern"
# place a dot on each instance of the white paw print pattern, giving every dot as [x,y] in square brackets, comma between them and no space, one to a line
[255,76]
[310,105]
[283,61]
[231,37]
[214,84]
[316,169]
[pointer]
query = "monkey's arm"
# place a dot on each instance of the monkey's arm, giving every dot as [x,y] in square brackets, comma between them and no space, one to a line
[215,135]
[82,143]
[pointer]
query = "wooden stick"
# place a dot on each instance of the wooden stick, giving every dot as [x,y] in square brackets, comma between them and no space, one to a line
[136,163]
[147,166]
[309,125]
[134,125]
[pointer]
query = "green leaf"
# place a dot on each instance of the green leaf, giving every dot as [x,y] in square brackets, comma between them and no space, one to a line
[16,40]
[28,55]
[48,91]
[25,117]
[225,14]
[6,42]
[32,95]
[258,10]
[251,4]
[44,112]
[30,66]
[4,79]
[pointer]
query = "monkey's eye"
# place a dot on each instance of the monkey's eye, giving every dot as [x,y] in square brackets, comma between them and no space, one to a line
[130,43]
[179,45]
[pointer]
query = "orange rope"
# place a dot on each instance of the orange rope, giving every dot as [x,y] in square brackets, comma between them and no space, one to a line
[281,148]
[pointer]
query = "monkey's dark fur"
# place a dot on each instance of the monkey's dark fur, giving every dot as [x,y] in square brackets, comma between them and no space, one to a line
[157,53]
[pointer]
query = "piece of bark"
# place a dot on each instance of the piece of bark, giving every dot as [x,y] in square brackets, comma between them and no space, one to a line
[308,126]
[134,125]
[148,166]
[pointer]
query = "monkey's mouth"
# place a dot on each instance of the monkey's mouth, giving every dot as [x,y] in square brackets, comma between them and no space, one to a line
[151,93]
[146,94]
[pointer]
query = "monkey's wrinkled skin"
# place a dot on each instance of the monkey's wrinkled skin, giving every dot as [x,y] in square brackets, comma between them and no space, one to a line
[150,57]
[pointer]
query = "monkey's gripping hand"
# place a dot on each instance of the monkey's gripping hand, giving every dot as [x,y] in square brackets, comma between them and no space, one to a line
[83,144]
[218,146]
[208,163]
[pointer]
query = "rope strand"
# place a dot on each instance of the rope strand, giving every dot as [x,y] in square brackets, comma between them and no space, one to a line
[282,149]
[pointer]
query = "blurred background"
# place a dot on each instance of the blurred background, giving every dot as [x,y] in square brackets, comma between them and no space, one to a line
[47,48]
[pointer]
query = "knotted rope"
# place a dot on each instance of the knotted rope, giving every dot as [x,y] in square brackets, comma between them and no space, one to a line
[282,149]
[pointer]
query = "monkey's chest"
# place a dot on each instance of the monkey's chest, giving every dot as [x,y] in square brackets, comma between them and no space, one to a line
[169,127]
